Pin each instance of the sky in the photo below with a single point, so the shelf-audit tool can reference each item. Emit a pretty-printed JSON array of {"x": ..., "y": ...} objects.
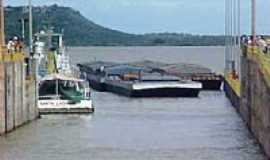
[{"x": 147, "y": 16}]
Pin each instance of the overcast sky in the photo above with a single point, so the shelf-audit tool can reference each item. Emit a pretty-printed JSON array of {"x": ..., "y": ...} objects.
[{"x": 144, "y": 16}]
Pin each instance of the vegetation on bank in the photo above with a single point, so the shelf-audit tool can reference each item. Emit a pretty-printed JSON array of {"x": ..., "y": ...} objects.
[{"x": 80, "y": 31}]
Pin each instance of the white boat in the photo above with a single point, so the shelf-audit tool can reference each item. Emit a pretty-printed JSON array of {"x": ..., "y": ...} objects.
[
  {"x": 61, "y": 91},
  {"x": 60, "y": 94}
]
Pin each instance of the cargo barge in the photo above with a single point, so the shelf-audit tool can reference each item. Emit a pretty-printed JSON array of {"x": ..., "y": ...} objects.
[
  {"x": 190, "y": 72},
  {"x": 134, "y": 81},
  {"x": 93, "y": 72},
  {"x": 154, "y": 88},
  {"x": 209, "y": 79}
]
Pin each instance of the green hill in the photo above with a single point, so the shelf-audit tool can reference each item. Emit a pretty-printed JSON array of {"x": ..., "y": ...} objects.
[{"x": 79, "y": 31}]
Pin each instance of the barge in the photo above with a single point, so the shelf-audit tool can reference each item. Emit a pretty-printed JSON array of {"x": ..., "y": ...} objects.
[
  {"x": 154, "y": 88},
  {"x": 209, "y": 79},
  {"x": 93, "y": 72},
  {"x": 134, "y": 81}
]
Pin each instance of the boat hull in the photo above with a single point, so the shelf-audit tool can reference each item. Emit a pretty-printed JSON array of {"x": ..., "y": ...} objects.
[
  {"x": 64, "y": 107},
  {"x": 97, "y": 85},
  {"x": 212, "y": 85},
  {"x": 154, "y": 92},
  {"x": 165, "y": 92},
  {"x": 48, "y": 111}
]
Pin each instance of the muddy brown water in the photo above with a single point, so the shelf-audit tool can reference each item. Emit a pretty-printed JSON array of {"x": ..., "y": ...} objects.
[{"x": 204, "y": 128}]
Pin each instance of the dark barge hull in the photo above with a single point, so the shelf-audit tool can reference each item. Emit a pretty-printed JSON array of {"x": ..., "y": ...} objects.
[
  {"x": 95, "y": 82},
  {"x": 165, "y": 92},
  {"x": 212, "y": 85},
  {"x": 96, "y": 85},
  {"x": 158, "y": 92}
]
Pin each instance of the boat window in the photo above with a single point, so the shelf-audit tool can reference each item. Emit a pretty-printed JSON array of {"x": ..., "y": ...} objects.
[
  {"x": 69, "y": 90},
  {"x": 81, "y": 85},
  {"x": 70, "y": 85},
  {"x": 55, "y": 42},
  {"x": 47, "y": 88}
]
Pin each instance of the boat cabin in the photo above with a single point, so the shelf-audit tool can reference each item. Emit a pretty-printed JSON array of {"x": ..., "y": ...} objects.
[{"x": 58, "y": 87}]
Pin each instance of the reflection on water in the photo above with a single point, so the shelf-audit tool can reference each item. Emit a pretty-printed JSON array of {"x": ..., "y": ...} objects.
[{"x": 207, "y": 128}]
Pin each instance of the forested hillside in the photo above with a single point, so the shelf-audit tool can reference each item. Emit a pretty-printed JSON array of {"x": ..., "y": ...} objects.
[{"x": 80, "y": 31}]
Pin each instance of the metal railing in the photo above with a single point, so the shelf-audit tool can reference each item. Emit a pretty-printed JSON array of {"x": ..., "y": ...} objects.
[{"x": 15, "y": 57}]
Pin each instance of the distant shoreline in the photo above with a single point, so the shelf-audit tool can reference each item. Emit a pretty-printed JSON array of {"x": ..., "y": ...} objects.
[
  {"x": 84, "y": 32},
  {"x": 69, "y": 46}
]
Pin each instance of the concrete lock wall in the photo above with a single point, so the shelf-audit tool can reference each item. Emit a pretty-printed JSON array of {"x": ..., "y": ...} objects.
[
  {"x": 31, "y": 103},
  {"x": 255, "y": 102},
  {"x": 32, "y": 95},
  {"x": 18, "y": 100},
  {"x": 18, "y": 96},
  {"x": 2, "y": 98},
  {"x": 10, "y": 108},
  {"x": 245, "y": 108}
]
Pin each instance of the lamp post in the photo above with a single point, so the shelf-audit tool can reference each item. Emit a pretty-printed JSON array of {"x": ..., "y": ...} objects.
[
  {"x": 30, "y": 26},
  {"x": 239, "y": 23},
  {"x": 33, "y": 64},
  {"x": 22, "y": 21},
  {"x": 2, "y": 27},
  {"x": 2, "y": 69},
  {"x": 253, "y": 25}
]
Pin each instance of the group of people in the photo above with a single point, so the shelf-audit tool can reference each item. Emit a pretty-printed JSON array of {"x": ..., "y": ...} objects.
[
  {"x": 261, "y": 42},
  {"x": 15, "y": 45}
]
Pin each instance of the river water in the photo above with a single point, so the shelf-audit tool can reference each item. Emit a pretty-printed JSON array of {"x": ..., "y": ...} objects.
[{"x": 204, "y": 128}]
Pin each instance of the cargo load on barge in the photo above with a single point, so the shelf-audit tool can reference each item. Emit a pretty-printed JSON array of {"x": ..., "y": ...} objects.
[{"x": 209, "y": 79}]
